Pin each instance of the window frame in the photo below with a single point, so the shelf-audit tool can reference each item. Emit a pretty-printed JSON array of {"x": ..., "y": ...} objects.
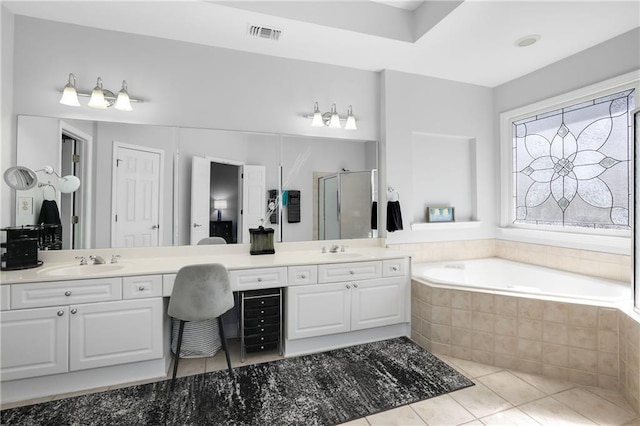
[{"x": 609, "y": 240}]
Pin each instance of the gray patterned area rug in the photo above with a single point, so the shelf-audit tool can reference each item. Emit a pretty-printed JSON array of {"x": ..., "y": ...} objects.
[{"x": 321, "y": 389}]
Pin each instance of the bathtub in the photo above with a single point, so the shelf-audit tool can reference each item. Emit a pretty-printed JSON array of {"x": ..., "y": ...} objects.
[{"x": 506, "y": 276}]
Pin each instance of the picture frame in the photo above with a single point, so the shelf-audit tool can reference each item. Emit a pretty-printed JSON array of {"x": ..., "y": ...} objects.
[{"x": 440, "y": 214}]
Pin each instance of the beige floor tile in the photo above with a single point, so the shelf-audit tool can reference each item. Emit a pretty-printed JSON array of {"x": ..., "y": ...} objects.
[
  {"x": 480, "y": 400},
  {"x": 400, "y": 416},
  {"x": 511, "y": 417},
  {"x": 634, "y": 422},
  {"x": 358, "y": 422},
  {"x": 474, "y": 369},
  {"x": 139, "y": 382},
  {"x": 442, "y": 410},
  {"x": 595, "y": 408},
  {"x": 510, "y": 387},
  {"x": 548, "y": 411},
  {"x": 189, "y": 367},
  {"x": 472, "y": 423},
  {"x": 610, "y": 395},
  {"x": 9, "y": 405},
  {"x": 545, "y": 384}
]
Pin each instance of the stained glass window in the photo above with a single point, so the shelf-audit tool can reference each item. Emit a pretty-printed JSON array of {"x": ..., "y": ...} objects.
[{"x": 572, "y": 166}]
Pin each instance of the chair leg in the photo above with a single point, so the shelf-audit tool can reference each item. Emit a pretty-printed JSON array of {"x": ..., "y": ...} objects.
[
  {"x": 224, "y": 345},
  {"x": 177, "y": 357}
]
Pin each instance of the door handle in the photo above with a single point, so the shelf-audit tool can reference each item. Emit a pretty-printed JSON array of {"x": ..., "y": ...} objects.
[
  {"x": 196, "y": 225},
  {"x": 155, "y": 227}
]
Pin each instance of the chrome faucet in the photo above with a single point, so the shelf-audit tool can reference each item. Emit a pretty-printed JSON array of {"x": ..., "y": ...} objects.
[
  {"x": 97, "y": 260},
  {"x": 334, "y": 249}
]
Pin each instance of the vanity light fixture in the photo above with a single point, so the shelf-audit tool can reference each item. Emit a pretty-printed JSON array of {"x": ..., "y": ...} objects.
[
  {"x": 100, "y": 97},
  {"x": 332, "y": 118}
]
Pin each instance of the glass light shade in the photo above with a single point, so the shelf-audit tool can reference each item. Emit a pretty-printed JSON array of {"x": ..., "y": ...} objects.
[
  {"x": 335, "y": 121},
  {"x": 97, "y": 97},
  {"x": 351, "y": 120},
  {"x": 68, "y": 184},
  {"x": 69, "y": 96},
  {"x": 220, "y": 204},
  {"x": 123, "y": 103},
  {"x": 317, "y": 119}
]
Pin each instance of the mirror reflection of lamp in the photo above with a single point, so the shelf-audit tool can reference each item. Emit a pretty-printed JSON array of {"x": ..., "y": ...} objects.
[{"x": 219, "y": 205}]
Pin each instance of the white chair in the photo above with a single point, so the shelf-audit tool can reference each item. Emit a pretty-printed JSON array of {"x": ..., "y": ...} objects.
[
  {"x": 212, "y": 240},
  {"x": 201, "y": 292}
]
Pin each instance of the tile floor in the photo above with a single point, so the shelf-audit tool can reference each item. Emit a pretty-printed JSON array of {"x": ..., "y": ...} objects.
[{"x": 500, "y": 397}]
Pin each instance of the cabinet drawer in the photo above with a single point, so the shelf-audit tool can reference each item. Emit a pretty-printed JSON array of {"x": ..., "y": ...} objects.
[
  {"x": 394, "y": 267},
  {"x": 167, "y": 284},
  {"x": 260, "y": 322},
  {"x": 262, "y": 330},
  {"x": 337, "y": 272},
  {"x": 300, "y": 275},
  {"x": 57, "y": 293},
  {"x": 5, "y": 298},
  {"x": 263, "y": 302},
  {"x": 250, "y": 279},
  {"x": 261, "y": 312},
  {"x": 261, "y": 347},
  {"x": 267, "y": 338},
  {"x": 142, "y": 286}
]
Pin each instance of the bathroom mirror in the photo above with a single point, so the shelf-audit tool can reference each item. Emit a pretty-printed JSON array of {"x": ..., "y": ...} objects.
[
  {"x": 20, "y": 178},
  {"x": 103, "y": 146}
]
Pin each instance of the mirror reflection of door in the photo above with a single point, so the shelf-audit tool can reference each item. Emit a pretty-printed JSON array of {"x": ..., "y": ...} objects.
[
  {"x": 137, "y": 176},
  {"x": 71, "y": 203},
  {"x": 227, "y": 198}
]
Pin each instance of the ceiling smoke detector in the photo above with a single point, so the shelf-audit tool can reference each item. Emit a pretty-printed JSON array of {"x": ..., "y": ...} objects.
[{"x": 263, "y": 32}]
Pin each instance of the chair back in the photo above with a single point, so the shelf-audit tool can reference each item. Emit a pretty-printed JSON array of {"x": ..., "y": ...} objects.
[
  {"x": 201, "y": 292},
  {"x": 212, "y": 240}
]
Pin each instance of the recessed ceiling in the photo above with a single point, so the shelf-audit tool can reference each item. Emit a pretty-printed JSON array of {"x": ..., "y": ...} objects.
[{"x": 470, "y": 41}]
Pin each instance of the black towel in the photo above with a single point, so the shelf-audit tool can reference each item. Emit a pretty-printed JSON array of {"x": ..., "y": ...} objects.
[
  {"x": 394, "y": 216},
  {"x": 49, "y": 214},
  {"x": 374, "y": 215}
]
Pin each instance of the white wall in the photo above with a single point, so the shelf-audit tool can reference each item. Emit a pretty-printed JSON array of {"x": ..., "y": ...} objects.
[
  {"x": 7, "y": 129},
  {"x": 417, "y": 105}
]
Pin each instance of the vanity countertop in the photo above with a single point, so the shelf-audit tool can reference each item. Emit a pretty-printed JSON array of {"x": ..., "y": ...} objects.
[{"x": 61, "y": 266}]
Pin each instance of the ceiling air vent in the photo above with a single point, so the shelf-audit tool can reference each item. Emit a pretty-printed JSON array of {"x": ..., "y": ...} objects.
[{"x": 263, "y": 32}]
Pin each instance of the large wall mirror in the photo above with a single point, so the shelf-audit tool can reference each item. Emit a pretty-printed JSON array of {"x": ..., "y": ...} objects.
[{"x": 147, "y": 185}]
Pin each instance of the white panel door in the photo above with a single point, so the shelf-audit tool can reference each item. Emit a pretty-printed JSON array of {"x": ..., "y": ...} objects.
[
  {"x": 35, "y": 342},
  {"x": 254, "y": 199},
  {"x": 137, "y": 197},
  {"x": 111, "y": 333},
  {"x": 317, "y": 310},
  {"x": 200, "y": 198},
  {"x": 378, "y": 302}
]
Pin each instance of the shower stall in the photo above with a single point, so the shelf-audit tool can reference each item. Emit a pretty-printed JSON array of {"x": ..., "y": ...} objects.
[{"x": 347, "y": 205}]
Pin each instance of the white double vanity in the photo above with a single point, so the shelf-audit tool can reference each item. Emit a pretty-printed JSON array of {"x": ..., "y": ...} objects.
[{"x": 68, "y": 327}]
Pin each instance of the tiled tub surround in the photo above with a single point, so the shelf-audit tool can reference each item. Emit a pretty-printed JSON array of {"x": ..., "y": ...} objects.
[
  {"x": 590, "y": 345},
  {"x": 597, "y": 264}
]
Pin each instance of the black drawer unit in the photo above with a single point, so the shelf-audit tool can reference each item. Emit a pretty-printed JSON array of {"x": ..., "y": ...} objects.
[{"x": 261, "y": 324}]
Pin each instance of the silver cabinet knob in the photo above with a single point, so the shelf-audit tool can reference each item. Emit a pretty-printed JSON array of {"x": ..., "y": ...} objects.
[
  {"x": 303, "y": 276},
  {"x": 351, "y": 272},
  {"x": 141, "y": 288},
  {"x": 74, "y": 311},
  {"x": 259, "y": 280},
  {"x": 60, "y": 313},
  {"x": 67, "y": 293},
  {"x": 348, "y": 286},
  {"x": 355, "y": 286},
  {"x": 394, "y": 268}
]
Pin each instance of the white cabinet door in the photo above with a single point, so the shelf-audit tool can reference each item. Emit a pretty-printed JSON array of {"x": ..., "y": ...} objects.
[
  {"x": 111, "y": 333},
  {"x": 35, "y": 342},
  {"x": 317, "y": 310},
  {"x": 376, "y": 303}
]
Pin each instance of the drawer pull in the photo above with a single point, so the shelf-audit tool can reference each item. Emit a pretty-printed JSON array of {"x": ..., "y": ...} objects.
[
  {"x": 60, "y": 313},
  {"x": 261, "y": 347},
  {"x": 141, "y": 288},
  {"x": 259, "y": 280},
  {"x": 74, "y": 311},
  {"x": 262, "y": 302},
  {"x": 394, "y": 268},
  {"x": 262, "y": 312},
  {"x": 67, "y": 293},
  {"x": 348, "y": 286},
  {"x": 262, "y": 338},
  {"x": 351, "y": 272},
  {"x": 303, "y": 276},
  {"x": 355, "y": 286}
]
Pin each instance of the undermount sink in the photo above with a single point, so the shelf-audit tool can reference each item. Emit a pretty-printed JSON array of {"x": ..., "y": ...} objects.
[
  {"x": 80, "y": 270},
  {"x": 341, "y": 255}
]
